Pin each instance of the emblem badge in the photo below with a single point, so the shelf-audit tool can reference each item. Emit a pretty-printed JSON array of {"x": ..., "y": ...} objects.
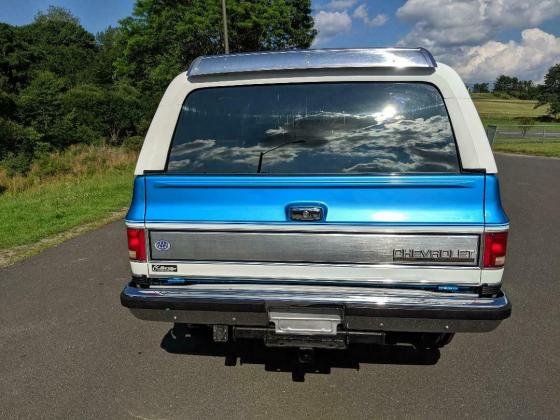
[
  {"x": 162, "y": 245},
  {"x": 164, "y": 268}
]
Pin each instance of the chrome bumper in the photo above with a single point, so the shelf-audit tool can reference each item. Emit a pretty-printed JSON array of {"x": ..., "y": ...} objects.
[{"x": 373, "y": 309}]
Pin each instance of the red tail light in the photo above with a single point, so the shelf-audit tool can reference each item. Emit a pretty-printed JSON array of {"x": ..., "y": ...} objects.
[
  {"x": 136, "y": 244},
  {"x": 495, "y": 245}
]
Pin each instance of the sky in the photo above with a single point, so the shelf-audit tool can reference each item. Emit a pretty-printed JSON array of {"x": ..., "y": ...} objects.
[{"x": 481, "y": 39}]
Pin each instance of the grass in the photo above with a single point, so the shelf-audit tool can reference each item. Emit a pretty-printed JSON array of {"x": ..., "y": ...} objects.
[
  {"x": 550, "y": 148},
  {"x": 77, "y": 162},
  {"x": 38, "y": 212},
  {"x": 83, "y": 186},
  {"x": 493, "y": 110},
  {"x": 511, "y": 112}
]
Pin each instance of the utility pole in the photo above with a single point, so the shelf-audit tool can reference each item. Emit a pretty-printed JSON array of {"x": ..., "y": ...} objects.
[{"x": 224, "y": 17}]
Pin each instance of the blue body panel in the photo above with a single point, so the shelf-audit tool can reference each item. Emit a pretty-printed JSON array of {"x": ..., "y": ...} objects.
[
  {"x": 137, "y": 208},
  {"x": 493, "y": 211},
  {"x": 379, "y": 200}
]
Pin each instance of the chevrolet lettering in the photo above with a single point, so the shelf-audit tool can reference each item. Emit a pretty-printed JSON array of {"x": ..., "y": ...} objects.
[
  {"x": 434, "y": 255},
  {"x": 317, "y": 198}
]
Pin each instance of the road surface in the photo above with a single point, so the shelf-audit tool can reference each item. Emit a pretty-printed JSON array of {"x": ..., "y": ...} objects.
[{"x": 68, "y": 349}]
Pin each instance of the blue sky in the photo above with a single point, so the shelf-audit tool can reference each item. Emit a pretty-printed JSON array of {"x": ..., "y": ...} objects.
[
  {"x": 95, "y": 15},
  {"x": 479, "y": 38}
]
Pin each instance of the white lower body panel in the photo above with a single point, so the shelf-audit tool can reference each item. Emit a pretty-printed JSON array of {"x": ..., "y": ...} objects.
[{"x": 323, "y": 272}]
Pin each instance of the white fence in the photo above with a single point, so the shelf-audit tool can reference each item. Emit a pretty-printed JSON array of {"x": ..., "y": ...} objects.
[{"x": 523, "y": 133}]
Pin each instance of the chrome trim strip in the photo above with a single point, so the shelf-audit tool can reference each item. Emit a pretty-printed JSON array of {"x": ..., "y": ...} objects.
[
  {"x": 317, "y": 247},
  {"x": 338, "y": 282},
  {"x": 134, "y": 225},
  {"x": 310, "y": 227},
  {"x": 334, "y": 294},
  {"x": 324, "y": 265},
  {"x": 369, "y": 181},
  {"x": 496, "y": 228},
  {"x": 311, "y": 59},
  {"x": 389, "y": 284}
]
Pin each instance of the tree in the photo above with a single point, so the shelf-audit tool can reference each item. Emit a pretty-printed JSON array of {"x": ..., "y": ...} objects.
[
  {"x": 58, "y": 43},
  {"x": 100, "y": 112},
  {"x": 506, "y": 85},
  {"x": 7, "y": 105},
  {"x": 15, "y": 59},
  {"x": 550, "y": 91},
  {"x": 163, "y": 36},
  {"x": 60, "y": 85},
  {"x": 39, "y": 103},
  {"x": 109, "y": 50},
  {"x": 481, "y": 88},
  {"x": 17, "y": 144},
  {"x": 512, "y": 86}
]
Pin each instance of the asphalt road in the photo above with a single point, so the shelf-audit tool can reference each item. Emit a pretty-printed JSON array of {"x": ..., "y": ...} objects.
[{"x": 68, "y": 349}]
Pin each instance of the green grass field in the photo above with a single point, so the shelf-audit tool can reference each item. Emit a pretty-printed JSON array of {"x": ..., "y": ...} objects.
[
  {"x": 61, "y": 204},
  {"x": 493, "y": 110},
  {"x": 510, "y": 112},
  {"x": 551, "y": 149}
]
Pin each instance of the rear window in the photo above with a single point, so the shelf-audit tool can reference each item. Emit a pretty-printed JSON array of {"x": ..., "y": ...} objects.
[{"x": 314, "y": 128}]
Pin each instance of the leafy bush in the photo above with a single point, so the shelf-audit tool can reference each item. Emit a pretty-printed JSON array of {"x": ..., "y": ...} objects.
[
  {"x": 133, "y": 143},
  {"x": 16, "y": 163},
  {"x": 502, "y": 95}
]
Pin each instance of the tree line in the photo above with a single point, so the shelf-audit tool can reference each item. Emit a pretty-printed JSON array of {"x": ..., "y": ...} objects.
[
  {"x": 512, "y": 87},
  {"x": 61, "y": 85}
]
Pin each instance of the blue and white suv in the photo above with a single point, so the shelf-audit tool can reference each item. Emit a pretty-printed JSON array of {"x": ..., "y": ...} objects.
[{"x": 318, "y": 198}]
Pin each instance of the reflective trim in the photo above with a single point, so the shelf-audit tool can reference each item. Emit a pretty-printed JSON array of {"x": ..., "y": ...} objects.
[
  {"x": 134, "y": 225},
  {"x": 496, "y": 228},
  {"x": 319, "y": 248},
  {"x": 268, "y": 292},
  {"x": 311, "y": 227},
  {"x": 311, "y": 59},
  {"x": 322, "y": 265}
]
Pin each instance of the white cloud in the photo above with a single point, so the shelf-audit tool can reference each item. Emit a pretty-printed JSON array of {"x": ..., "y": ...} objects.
[
  {"x": 528, "y": 59},
  {"x": 378, "y": 20},
  {"x": 462, "y": 34},
  {"x": 340, "y": 4},
  {"x": 362, "y": 13},
  {"x": 329, "y": 24},
  {"x": 469, "y": 22}
]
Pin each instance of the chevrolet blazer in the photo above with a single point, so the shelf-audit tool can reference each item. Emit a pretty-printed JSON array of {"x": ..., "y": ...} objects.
[{"x": 318, "y": 198}]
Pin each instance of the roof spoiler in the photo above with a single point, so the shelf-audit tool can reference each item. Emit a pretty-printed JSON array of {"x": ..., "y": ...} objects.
[{"x": 418, "y": 58}]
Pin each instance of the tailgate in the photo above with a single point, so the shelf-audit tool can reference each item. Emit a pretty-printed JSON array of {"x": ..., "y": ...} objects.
[{"x": 404, "y": 229}]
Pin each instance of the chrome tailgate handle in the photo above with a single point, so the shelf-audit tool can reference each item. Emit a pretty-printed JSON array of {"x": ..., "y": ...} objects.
[{"x": 305, "y": 323}]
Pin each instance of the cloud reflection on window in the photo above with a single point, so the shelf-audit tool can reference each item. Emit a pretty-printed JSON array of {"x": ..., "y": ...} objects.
[{"x": 405, "y": 131}]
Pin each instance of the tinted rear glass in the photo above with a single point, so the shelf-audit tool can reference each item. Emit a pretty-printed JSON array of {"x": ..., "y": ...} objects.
[{"x": 314, "y": 128}]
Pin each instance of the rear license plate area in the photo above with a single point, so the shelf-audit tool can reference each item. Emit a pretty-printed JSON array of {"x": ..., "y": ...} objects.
[{"x": 305, "y": 321}]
